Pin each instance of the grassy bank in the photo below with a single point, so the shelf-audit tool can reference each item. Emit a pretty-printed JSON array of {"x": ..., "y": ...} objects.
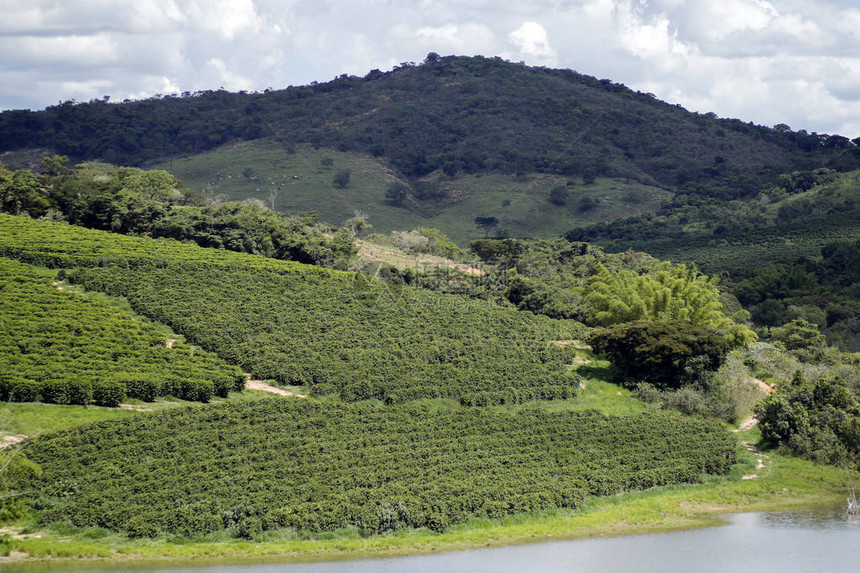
[{"x": 783, "y": 483}]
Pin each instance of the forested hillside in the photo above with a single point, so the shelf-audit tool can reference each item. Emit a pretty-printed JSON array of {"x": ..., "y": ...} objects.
[
  {"x": 154, "y": 203},
  {"x": 450, "y": 114},
  {"x": 793, "y": 252}
]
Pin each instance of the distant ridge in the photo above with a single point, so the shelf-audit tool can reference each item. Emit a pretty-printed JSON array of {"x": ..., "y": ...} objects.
[{"x": 453, "y": 115}]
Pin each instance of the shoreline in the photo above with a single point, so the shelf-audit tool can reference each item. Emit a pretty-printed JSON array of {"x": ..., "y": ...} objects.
[{"x": 792, "y": 483}]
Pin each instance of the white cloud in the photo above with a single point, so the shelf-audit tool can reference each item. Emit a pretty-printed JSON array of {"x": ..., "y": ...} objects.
[
  {"x": 777, "y": 61},
  {"x": 533, "y": 42}
]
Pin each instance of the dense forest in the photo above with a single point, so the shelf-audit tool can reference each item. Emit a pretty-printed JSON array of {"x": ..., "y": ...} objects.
[{"x": 153, "y": 203}]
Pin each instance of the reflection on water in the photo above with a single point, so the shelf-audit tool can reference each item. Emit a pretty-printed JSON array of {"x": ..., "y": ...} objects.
[
  {"x": 827, "y": 519},
  {"x": 822, "y": 540}
]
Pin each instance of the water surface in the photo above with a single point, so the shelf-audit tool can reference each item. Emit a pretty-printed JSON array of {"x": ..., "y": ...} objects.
[{"x": 821, "y": 540}]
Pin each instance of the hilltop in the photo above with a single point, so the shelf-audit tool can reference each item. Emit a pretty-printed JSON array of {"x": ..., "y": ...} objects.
[{"x": 449, "y": 115}]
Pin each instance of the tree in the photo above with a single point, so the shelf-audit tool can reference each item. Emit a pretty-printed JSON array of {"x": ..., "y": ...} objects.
[
  {"x": 558, "y": 195},
  {"x": 358, "y": 223},
  {"x": 396, "y": 193},
  {"x": 487, "y": 224},
  {"x": 801, "y": 338},
  {"x": 672, "y": 293},
  {"x": 55, "y": 165},
  {"x": 341, "y": 178},
  {"x": 664, "y": 354}
]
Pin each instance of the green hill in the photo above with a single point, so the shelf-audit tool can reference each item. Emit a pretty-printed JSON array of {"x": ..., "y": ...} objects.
[
  {"x": 301, "y": 179},
  {"x": 336, "y": 332},
  {"x": 449, "y": 115}
]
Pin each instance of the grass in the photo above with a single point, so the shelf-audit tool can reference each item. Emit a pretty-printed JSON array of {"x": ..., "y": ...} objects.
[
  {"x": 34, "y": 418},
  {"x": 31, "y": 419},
  {"x": 299, "y": 181},
  {"x": 522, "y": 206}
]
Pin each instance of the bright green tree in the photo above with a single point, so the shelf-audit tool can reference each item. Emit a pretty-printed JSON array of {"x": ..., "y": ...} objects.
[{"x": 671, "y": 293}]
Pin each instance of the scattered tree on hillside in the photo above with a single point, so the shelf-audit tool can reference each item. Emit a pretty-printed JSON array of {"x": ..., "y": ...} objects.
[
  {"x": 558, "y": 195},
  {"x": 396, "y": 193},
  {"x": 487, "y": 224},
  {"x": 341, "y": 178}
]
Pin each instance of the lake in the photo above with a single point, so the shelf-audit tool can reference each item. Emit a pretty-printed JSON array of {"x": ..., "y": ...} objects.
[{"x": 820, "y": 540}]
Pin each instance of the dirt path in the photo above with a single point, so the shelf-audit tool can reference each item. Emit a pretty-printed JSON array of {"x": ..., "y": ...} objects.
[
  {"x": 762, "y": 462},
  {"x": 134, "y": 407},
  {"x": 747, "y": 424},
  {"x": 15, "y": 533},
  {"x": 766, "y": 388},
  {"x": 11, "y": 440},
  {"x": 260, "y": 385}
]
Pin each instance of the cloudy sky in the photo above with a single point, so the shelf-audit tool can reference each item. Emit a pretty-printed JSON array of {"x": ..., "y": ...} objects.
[{"x": 778, "y": 61}]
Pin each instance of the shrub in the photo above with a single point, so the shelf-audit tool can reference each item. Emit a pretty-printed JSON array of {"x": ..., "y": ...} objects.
[
  {"x": 140, "y": 386},
  {"x": 70, "y": 391},
  {"x": 55, "y": 392},
  {"x": 19, "y": 390},
  {"x": 196, "y": 390},
  {"x": 80, "y": 392},
  {"x": 108, "y": 393}
]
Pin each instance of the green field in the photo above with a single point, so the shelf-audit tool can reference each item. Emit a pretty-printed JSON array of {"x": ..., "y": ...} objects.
[{"x": 299, "y": 181}]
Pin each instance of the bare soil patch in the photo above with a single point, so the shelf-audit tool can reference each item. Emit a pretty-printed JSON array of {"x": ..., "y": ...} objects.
[
  {"x": 263, "y": 386},
  {"x": 11, "y": 440},
  {"x": 400, "y": 259}
]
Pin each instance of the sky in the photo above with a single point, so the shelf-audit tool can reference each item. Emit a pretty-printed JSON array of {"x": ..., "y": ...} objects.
[{"x": 795, "y": 62}]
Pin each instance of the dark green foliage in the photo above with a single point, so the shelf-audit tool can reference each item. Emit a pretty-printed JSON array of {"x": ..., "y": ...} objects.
[
  {"x": 108, "y": 393},
  {"x": 341, "y": 178},
  {"x": 336, "y": 332},
  {"x": 801, "y": 338},
  {"x": 71, "y": 390},
  {"x": 271, "y": 464},
  {"x": 487, "y": 223},
  {"x": 819, "y": 420},
  {"x": 396, "y": 193},
  {"x": 71, "y": 350},
  {"x": 558, "y": 195},
  {"x": 664, "y": 354},
  {"x": 152, "y": 203},
  {"x": 789, "y": 250},
  {"x": 352, "y": 334},
  {"x": 453, "y": 114},
  {"x": 15, "y": 389},
  {"x": 144, "y": 387}
]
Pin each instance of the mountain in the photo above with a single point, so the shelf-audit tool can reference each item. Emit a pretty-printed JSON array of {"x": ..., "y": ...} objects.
[{"x": 450, "y": 115}]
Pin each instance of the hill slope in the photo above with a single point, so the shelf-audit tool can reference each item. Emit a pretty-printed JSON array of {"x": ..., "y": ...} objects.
[
  {"x": 337, "y": 332},
  {"x": 453, "y": 114},
  {"x": 276, "y": 463}
]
